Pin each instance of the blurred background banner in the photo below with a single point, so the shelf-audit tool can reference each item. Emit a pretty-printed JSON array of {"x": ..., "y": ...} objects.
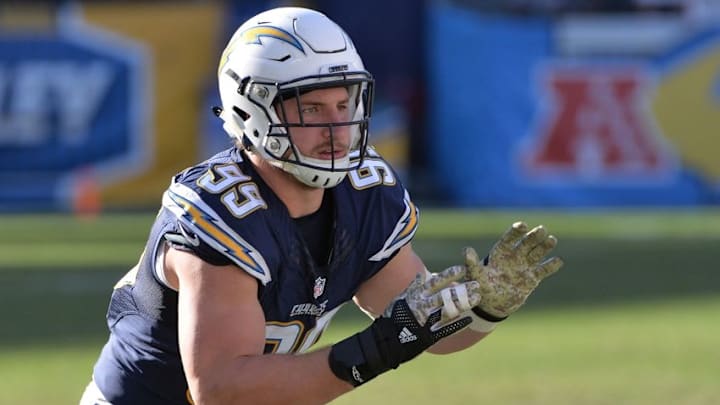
[
  {"x": 73, "y": 102},
  {"x": 479, "y": 103},
  {"x": 100, "y": 105},
  {"x": 183, "y": 41},
  {"x": 574, "y": 109}
]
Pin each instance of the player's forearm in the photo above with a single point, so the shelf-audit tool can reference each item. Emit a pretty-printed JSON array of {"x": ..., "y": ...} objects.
[{"x": 270, "y": 379}]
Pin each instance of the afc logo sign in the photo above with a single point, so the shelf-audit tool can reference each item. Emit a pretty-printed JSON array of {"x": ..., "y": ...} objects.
[{"x": 593, "y": 123}]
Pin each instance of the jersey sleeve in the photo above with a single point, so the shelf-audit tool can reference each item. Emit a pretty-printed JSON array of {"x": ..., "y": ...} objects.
[
  {"x": 195, "y": 213},
  {"x": 389, "y": 216},
  {"x": 402, "y": 230},
  {"x": 186, "y": 240}
]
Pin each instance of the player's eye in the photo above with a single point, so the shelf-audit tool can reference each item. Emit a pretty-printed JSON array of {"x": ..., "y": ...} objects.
[{"x": 309, "y": 109}]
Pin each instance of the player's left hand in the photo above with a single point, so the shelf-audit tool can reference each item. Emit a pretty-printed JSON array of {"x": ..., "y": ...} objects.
[{"x": 513, "y": 269}]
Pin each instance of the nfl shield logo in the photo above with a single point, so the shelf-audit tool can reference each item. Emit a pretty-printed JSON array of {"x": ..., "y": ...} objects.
[{"x": 319, "y": 287}]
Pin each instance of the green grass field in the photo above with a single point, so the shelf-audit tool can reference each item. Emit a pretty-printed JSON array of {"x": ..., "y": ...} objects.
[{"x": 631, "y": 318}]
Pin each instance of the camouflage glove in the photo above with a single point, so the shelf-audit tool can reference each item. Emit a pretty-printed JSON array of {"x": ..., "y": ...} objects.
[
  {"x": 429, "y": 293},
  {"x": 430, "y": 309},
  {"x": 512, "y": 270}
]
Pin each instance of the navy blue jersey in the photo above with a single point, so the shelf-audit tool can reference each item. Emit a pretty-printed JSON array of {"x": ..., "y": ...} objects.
[{"x": 225, "y": 213}]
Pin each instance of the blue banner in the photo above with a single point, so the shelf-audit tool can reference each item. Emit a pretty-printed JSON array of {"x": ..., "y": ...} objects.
[
  {"x": 71, "y": 102},
  {"x": 514, "y": 122}
]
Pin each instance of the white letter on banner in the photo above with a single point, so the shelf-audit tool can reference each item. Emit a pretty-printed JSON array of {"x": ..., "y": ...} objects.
[{"x": 33, "y": 93}]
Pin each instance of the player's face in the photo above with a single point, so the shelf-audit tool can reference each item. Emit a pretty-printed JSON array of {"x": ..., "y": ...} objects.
[{"x": 319, "y": 107}]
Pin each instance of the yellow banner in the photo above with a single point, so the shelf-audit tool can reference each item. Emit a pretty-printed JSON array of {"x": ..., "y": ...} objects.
[{"x": 183, "y": 43}]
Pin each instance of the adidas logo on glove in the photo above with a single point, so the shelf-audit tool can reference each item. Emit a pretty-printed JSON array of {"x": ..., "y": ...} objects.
[{"x": 406, "y": 336}]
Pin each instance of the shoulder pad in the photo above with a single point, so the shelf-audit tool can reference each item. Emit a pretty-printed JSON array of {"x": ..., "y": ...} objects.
[{"x": 205, "y": 211}]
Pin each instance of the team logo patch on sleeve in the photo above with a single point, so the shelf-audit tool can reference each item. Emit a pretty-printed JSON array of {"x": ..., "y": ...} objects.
[
  {"x": 403, "y": 232},
  {"x": 205, "y": 223}
]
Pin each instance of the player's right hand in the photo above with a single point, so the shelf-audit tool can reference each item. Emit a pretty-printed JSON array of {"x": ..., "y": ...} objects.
[
  {"x": 438, "y": 298},
  {"x": 429, "y": 309}
]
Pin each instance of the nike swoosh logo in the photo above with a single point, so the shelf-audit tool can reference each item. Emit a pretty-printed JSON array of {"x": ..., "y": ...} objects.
[{"x": 194, "y": 240}]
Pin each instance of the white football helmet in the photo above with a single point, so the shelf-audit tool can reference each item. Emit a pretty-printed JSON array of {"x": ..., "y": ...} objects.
[{"x": 280, "y": 54}]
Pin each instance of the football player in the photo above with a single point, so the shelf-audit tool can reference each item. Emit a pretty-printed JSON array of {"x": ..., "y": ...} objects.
[{"x": 255, "y": 249}]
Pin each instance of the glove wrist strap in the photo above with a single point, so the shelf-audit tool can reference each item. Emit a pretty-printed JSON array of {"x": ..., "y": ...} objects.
[
  {"x": 488, "y": 317},
  {"x": 480, "y": 323}
]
